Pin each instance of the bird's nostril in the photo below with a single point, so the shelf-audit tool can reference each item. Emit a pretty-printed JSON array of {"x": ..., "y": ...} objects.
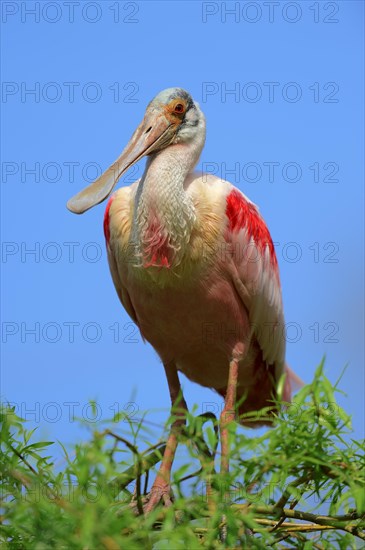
[{"x": 149, "y": 129}]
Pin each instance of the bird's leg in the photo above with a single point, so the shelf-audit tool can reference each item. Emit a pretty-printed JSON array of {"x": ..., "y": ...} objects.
[
  {"x": 228, "y": 414},
  {"x": 161, "y": 488}
]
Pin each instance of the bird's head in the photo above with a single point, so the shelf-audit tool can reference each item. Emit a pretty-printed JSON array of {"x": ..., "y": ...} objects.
[
  {"x": 171, "y": 117},
  {"x": 178, "y": 111}
]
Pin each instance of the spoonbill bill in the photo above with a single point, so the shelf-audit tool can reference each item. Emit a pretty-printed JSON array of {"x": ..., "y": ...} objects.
[{"x": 194, "y": 265}]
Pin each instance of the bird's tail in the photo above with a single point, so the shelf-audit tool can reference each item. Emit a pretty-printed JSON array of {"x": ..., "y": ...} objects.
[{"x": 292, "y": 383}]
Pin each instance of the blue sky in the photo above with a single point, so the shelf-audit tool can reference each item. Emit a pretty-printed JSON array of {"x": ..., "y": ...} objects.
[{"x": 282, "y": 91}]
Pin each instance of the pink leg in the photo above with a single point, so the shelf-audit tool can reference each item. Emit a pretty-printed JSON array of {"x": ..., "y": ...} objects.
[
  {"x": 228, "y": 414},
  {"x": 161, "y": 488}
]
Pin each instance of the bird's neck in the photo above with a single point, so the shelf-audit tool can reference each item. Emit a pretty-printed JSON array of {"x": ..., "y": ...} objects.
[{"x": 164, "y": 213}]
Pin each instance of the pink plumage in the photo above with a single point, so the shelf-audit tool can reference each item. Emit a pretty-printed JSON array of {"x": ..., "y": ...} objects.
[
  {"x": 194, "y": 266},
  {"x": 197, "y": 313}
]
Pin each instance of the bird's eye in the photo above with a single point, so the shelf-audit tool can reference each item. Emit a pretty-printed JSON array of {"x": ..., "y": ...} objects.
[{"x": 179, "y": 108}]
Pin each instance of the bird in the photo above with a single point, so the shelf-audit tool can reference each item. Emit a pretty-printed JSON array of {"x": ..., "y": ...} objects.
[{"x": 194, "y": 266}]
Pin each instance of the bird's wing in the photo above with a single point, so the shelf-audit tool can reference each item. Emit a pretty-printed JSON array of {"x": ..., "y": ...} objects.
[
  {"x": 256, "y": 276},
  {"x": 249, "y": 255},
  {"x": 117, "y": 227}
]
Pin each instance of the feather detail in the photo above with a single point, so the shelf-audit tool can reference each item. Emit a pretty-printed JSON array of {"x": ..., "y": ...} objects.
[
  {"x": 257, "y": 279},
  {"x": 157, "y": 250},
  {"x": 243, "y": 214}
]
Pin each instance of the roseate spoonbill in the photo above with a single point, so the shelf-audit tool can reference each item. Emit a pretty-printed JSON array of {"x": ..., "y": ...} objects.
[{"x": 194, "y": 265}]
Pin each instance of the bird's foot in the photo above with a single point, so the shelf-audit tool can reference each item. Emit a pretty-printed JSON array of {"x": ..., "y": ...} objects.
[{"x": 160, "y": 493}]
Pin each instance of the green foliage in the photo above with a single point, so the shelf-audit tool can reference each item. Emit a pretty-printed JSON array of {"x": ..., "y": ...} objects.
[{"x": 300, "y": 485}]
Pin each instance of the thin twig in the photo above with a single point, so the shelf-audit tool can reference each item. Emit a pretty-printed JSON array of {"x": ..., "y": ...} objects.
[
  {"x": 286, "y": 494},
  {"x": 292, "y": 525},
  {"x": 307, "y": 516},
  {"x": 135, "y": 451},
  {"x": 23, "y": 459},
  {"x": 27, "y": 483},
  {"x": 149, "y": 459}
]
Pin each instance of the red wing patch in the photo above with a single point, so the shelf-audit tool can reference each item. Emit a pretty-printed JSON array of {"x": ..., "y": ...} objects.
[
  {"x": 242, "y": 214},
  {"x": 107, "y": 220}
]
